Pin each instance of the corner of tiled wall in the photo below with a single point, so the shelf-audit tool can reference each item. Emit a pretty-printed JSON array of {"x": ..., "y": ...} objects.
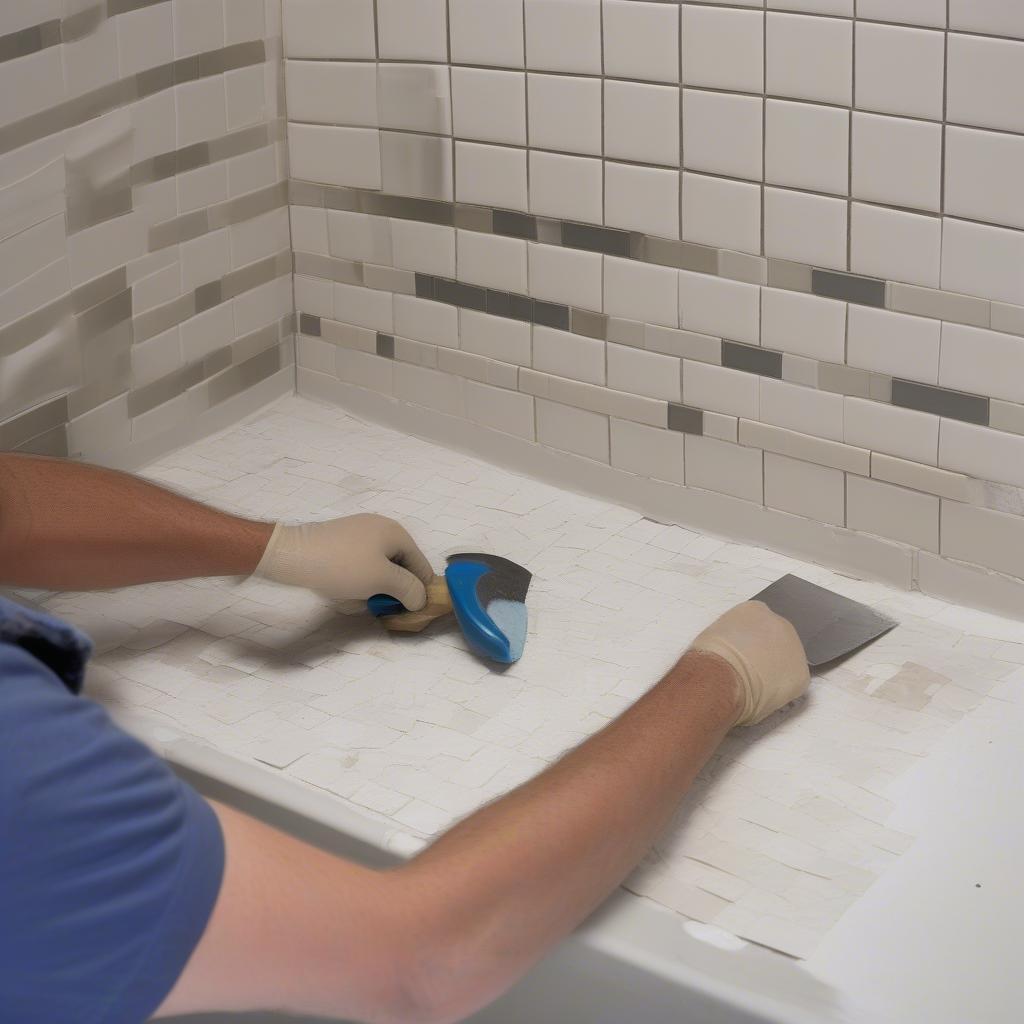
[
  {"x": 145, "y": 254},
  {"x": 757, "y": 265}
]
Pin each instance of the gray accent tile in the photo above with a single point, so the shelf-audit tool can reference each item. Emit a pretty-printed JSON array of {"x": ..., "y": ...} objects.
[
  {"x": 685, "y": 419},
  {"x": 252, "y": 276},
  {"x": 499, "y": 303},
  {"x": 105, "y": 315},
  {"x": 960, "y": 309},
  {"x": 29, "y": 40},
  {"x": 40, "y": 420},
  {"x": 521, "y": 308},
  {"x": 686, "y": 344},
  {"x": 551, "y": 314},
  {"x": 386, "y": 346},
  {"x": 473, "y": 218},
  {"x": 388, "y": 279},
  {"x": 591, "y": 325},
  {"x": 457, "y": 294},
  {"x": 752, "y": 359},
  {"x": 549, "y": 231},
  {"x": 515, "y": 225},
  {"x": 637, "y": 246},
  {"x": 208, "y": 295},
  {"x": 116, "y": 7},
  {"x": 625, "y": 332},
  {"x": 345, "y": 199},
  {"x": 305, "y": 193},
  {"x": 54, "y": 443},
  {"x": 1006, "y": 416},
  {"x": 795, "y": 277},
  {"x": 425, "y": 286},
  {"x": 880, "y": 387},
  {"x": 349, "y": 336},
  {"x": 666, "y": 252},
  {"x": 244, "y": 375},
  {"x": 155, "y": 321},
  {"x": 99, "y": 290},
  {"x": 1007, "y": 318},
  {"x": 799, "y": 370},
  {"x": 258, "y": 341},
  {"x": 216, "y": 361},
  {"x": 309, "y": 325},
  {"x": 430, "y": 211},
  {"x": 865, "y": 291},
  {"x": 844, "y": 380},
  {"x": 32, "y": 327},
  {"x": 741, "y": 266},
  {"x": 594, "y": 239},
  {"x": 954, "y": 405},
  {"x": 328, "y": 268},
  {"x": 166, "y": 388}
]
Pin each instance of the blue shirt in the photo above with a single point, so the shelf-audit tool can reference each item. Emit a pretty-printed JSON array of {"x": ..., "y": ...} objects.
[{"x": 109, "y": 864}]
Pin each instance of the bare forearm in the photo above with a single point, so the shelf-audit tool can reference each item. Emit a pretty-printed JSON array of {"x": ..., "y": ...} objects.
[
  {"x": 68, "y": 525},
  {"x": 519, "y": 875}
]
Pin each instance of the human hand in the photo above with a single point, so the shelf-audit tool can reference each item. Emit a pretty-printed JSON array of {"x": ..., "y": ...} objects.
[
  {"x": 351, "y": 558},
  {"x": 765, "y": 654}
]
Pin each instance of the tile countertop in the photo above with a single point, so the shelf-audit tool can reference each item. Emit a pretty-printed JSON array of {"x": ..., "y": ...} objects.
[{"x": 862, "y": 829}]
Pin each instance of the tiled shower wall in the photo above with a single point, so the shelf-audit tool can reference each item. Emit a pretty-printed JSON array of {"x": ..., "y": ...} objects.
[
  {"x": 145, "y": 257},
  {"x": 758, "y": 266}
]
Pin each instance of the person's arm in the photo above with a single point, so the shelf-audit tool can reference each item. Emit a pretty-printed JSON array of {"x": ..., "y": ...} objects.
[
  {"x": 71, "y": 526},
  {"x": 439, "y": 937}
]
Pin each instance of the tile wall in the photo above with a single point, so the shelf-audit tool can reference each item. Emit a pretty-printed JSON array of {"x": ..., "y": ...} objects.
[
  {"x": 768, "y": 255},
  {"x": 145, "y": 257}
]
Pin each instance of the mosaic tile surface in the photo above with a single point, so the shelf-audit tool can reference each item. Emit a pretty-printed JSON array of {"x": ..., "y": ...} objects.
[{"x": 785, "y": 827}]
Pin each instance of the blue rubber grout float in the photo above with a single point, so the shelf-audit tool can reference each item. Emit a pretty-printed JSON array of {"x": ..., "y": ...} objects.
[{"x": 487, "y": 594}]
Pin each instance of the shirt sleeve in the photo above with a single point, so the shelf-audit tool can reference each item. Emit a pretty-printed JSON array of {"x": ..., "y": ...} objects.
[{"x": 110, "y": 865}]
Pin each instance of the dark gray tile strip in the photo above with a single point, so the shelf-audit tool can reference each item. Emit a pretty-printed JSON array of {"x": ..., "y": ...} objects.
[
  {"x": 83, "y": 23},
  {"x": 53, "y": 443},
  {"x": 31, "y": 40},
  {"x": 386, "y": 346},
  {"x": 591, "y": 325},
  {"x": 200, "y": 154},
  {"x": 551, "y": 314},
  {"x": 955, "y": 405},
  {"x": 457, "y": 294},
  {"x": 424, "y": 286},
  {"x": 116, "y": 7},
  {"x": 752, "y": 359},
  {"x": 16, "y": 431},
  {"x": 101, "y": 288},
  {"x": 605, "y": 240},
  {"x": 309, "y": 325},
  {"x": 865, "y": 291},
  {"x": 685, "y": 419},
  {"x": 514, "y": 225},
  {"x": 244, "y": 375}
]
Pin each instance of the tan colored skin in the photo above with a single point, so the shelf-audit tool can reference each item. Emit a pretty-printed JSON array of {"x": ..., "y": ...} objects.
[{"x": 432, "y": 941}]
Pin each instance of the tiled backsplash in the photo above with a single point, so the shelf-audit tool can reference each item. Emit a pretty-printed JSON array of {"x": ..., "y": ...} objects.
[
  {"x": 769, "y": 255},
  {"x": 145, "y": 257}
]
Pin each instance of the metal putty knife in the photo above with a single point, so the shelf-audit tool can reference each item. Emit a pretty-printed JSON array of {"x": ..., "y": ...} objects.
[
  {"x": 487, "y": 594},
  {"x": 829, "y": 624}
]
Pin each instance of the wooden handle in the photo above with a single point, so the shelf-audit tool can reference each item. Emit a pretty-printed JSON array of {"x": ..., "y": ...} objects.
[{"x": 439, "y": 602}]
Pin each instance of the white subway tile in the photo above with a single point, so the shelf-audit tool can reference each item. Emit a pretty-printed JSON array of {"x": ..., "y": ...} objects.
[
  {"x": 365, "y": 370},
  {"x": 893, "y": 343},
  {"x": 568, "y": 187},
  {"x": 639, "y": 291},
  {"x": 984, "y": 82},
  {"x": 642, "y": 199},
  {"x": 414, "y": 97},
  {"x": 413, "y": 29},
  {"x": 790, "y": 38},
  {"x": 309, "y": 229},
  {"x": 805, "y": 447},
  {"x": 487, "y": 32},
  {"x": 507, "y": 411},
  {"x": 723, "y": 48},
  {"x": 335, "y": 156},
  {"x": 490, "y": 176},
  {"x": 981, "y": 452},
  {"x": 996, "y": 17},
  {"x": 978, "y": 259},
  {"x": 930, "y": 13},
  {"x": 647, "y": 451},
  {"x": 905, "y": 433},
  {"x": 804, "y": 489},
  {"x": 432, "y": 389},
  {"x": 720, "y": 389},
  {"x": 312, "y": 295},
  {"x": 641, "y": 122},
  {"x": 332, "y": 93},
  {"x": 918, "y": 477},
  {"x": 425, "y": 248},
  {"x": 723, "y": 133},
  {"x": 491, "y": 260},
  {"x": 564, "y": 35},
  {"x": 566, "y": 275},
  {"x": 644, "y": 373},
  {"x": 984, "y": 171},
  {"x": 715, "y": 465},
  {"x": 893, "y": 512},
  {"x": 804, "y": 410},
  {"x": 721, "y": 213},
  {"x": 416, "y": 165},
  {"x": 805, "y": 228},
  {"x": 568, "y": 355},
  {"x": 423, "y": 320},
  {"x": 641, "y": 40},
  {"x": 983, "y": 537},
  {"x": 895, "y": 245},
  {"x": 807, "y": 146},
  {"x": 900, "y": 70},
  {"x": 806, "y": 325},
  {"x": 364, "y": 307},
  {"x": 359, "y": 236},
  {"x": 489, "y": 105},
  {"x": 572, "y": 430},
  {"x": 341, "y": 29},
  {"x": 983, "y": 362},
  {"x": 495, "y": 337},
  {"x": 564, "y": 113},
  {"x": 725, "y": 428},
  {"x": 719, "y": 307},
  {"x": 897, "y": 161}
]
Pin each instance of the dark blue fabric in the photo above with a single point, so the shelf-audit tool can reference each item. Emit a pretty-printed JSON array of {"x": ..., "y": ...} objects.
[{"x": 109, "y": 864}]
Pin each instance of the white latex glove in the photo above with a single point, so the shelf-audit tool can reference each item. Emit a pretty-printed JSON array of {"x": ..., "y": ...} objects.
[
  {"x": 347, "y": 559},
  {"x": 765, "y": 653}
]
